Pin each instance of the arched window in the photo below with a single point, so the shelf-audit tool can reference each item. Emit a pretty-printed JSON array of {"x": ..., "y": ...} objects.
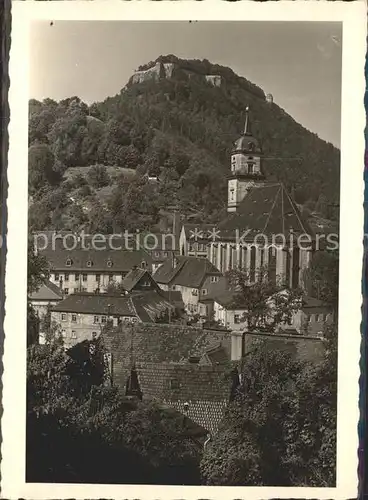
[{"x": 68, "y": 262}]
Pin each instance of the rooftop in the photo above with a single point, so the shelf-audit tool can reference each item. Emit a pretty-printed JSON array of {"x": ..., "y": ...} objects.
[
  {"x": 267, "y": 209},
  {"x": 147, "y": 306},
  {"x": 188, "y": 271},
  {"x": 112, "y": 261},
  {"x": 47, "y": 292},
  {"x": 200, "y": 392}
]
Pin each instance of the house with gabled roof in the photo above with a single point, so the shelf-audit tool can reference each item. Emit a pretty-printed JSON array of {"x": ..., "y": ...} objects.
[
  {"x": 139, "y": 279},
  {"x": 48, "y": 294},
  {"x": 192, "y": 276},
  {"x": 42, "y": 300},
  {"x": 83, "y": 316}
]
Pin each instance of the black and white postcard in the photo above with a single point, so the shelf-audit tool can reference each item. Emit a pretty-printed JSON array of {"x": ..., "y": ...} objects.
[{"x": 184, "y": 250}]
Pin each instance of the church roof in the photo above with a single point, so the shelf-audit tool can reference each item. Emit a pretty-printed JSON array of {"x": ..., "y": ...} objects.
[{"x": 267, "y": 209}]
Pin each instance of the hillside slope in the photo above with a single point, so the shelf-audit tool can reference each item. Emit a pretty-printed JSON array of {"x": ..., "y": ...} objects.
[{"x": 177, "y": 121}]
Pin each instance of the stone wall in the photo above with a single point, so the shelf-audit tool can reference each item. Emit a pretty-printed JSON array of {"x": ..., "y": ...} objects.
[{"x": 156, "y": 343}]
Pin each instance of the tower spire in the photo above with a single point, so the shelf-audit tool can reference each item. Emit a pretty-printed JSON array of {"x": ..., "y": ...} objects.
[{"x": 247, "y": 122}]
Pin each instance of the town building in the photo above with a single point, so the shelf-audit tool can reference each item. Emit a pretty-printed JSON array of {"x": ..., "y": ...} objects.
[
  {"x": 139, "y": 280},
  {"x": 94, "y": 270},
  {"x": 83, "y": 316},
  {"x": 263, "y": 228},
  {"x": 193, "y": 277},
  {"x": 46, "y": 296}
]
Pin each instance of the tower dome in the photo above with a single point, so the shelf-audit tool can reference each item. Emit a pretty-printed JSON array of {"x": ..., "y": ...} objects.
[
  {"x": 246, "y": 167},
  {"x": 247, "y": 143}
]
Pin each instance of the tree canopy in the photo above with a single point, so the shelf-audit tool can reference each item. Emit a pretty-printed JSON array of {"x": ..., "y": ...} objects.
[{"x": 180, "y": 129}]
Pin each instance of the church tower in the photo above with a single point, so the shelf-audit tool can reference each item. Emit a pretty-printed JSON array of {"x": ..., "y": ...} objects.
[{"x": 246, "y": 167}]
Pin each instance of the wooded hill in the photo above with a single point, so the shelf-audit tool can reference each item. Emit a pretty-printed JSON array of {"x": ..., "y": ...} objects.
[{"x": 180, "y": 128}]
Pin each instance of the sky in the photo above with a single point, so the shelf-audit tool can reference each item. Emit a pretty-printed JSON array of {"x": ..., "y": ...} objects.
[{"x": 299, "y": 63}]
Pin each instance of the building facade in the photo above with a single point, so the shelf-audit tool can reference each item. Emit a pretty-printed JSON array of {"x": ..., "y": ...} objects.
[{"x": 264, "y": 227}]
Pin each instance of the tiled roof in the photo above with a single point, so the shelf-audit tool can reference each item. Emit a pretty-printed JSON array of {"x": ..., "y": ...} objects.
[
  {"x": 112, "y": 261},
  {"x": 133, "y": 277},
  {"x": 268, "y": 209},
  {"x": 174, "y": 297},
  {"x": 189, "y": 271},
  {"x": 200, "y": 392},
  {"x": 156, "y": 343},
  {"x": 47, "y": 291},
  {"x": 147, "y": 306},
  {"x": 216, "y": 355},
  {"x": 91, "y": 303},
  {"x": 150, "y": 305},
  {"x": 226, "y": 299}
]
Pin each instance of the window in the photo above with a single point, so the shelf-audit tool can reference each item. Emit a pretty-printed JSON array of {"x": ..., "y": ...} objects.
[
  {"x": 77, "y": 276},
  {"x": 165, "y": 254},
  {"x": 173, "y": 287},
  {"x": 66, "y": 278},
  {"x": 57, "y": 276},
  {"x": 84, "y": 277},
  {"x": 76, "y": 290},
  {"x": 66, "y": 291},
  {"x": 103, "y": 319},
  {"x": 194, "y": 291},
  {"x": 250, "y": 168},
  {"x": 157, "y": 254},
  {"x": 109, "y": 263},
  {"x": 96, "y": 319},
  {"x": 214, "y": 279},
  {"x": 74, "y": 318},
  {"x": 174, "y": 384},
  {"x": 237, "y": 318},
  {"x": 63, "y": 317},
  {"x": 74, "y": 334},
  {"x": 98, "y": 277},
  {"x": 143, "y": 264},
  {"x": 63, "y": 333},
  {"x": 204, "y": 291},
  {"x": 84, "y": 289},
  {"x": 89, "y": 263},
  {"x": 68, "y": 262}
]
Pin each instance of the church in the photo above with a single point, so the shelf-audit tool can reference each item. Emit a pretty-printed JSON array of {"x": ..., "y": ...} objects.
[{"x": 264, "y": 229}]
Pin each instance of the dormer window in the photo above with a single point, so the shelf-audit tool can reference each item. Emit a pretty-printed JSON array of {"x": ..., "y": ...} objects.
[
  {"x": 251, "y": 146},
  {"x": 89, "y": 263},
  {"x": 109, "y": 263},
  {"x": 68, "y": 262}
]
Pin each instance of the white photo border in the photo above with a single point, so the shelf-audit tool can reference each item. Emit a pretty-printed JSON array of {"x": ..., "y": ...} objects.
[{"x": 353, "y": 17}]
